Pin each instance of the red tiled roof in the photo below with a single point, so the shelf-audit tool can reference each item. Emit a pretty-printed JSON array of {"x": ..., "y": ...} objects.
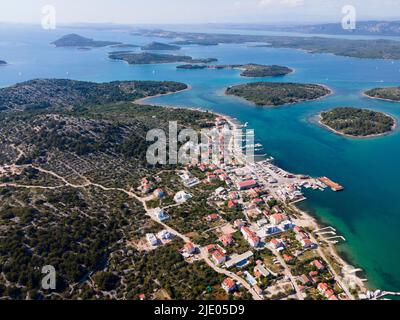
[
  {"x": 228, "y": 283},
  {"x": 247, "y": 183}
]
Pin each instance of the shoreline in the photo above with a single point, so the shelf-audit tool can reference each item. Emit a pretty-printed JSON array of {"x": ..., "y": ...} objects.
[
  {"x": 141, "y": 100},
  {"x": 376, "y": 98},
  {"x": 378, "y": 135},
  {"x": 306, "y": 218}
]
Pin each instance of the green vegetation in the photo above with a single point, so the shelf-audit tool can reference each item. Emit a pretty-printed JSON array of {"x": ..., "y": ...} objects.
[
  {"x": 357, "y": 122},
  {"x": 256, "y": 70},
  {"x": 125, "y": 46},
  {"x": 392, "y": 94},
  {"x": 248, "y": 70},
  {"x": 83, "y": 230},
  {"x": 153, "y": 58},
  {"x": 75, "y": 40},
  {"x": 276, "y": 94},
  {"x": 160, "y": 46},
  {"x": 371, "y": 49},
  {"x": 192, "y": 66},
  {"x": 66, "y": 94}
]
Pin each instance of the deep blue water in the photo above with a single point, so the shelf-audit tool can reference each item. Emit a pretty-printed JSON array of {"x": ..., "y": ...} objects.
[{"x": 367, "y": 213}]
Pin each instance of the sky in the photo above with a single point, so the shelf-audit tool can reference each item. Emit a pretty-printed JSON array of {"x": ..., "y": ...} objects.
[{"x": 195, "y": 11}]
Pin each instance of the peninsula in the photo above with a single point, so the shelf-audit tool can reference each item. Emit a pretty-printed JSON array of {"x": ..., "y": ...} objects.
[
  {"x": 153, "y": 58},
  {"x": 248, "y": 70},
  {"x": 66, "y": 94},
  {"x": 391, "y": 93},
  {"x": 75, "y": 40},
  {"x": 160, "y": 46},
  {"x": 356, "y": 122},
  {"x": 368, "y": 49},
  {"x": 277, "y": 94}
]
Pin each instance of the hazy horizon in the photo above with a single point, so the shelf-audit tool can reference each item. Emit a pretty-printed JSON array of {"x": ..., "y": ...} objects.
[{"x": 161, "y": 12}]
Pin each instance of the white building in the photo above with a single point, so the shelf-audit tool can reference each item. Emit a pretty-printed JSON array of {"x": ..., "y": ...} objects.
[
  {"x": 182, "y": 196},
  {"x": 151, "y": 239},
  {"x": 165, "y": 235},
  {"x": 161, "y": 214}
]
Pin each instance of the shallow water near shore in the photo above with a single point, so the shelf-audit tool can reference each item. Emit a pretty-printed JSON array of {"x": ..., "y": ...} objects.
[{"x": 367, "y": 213}]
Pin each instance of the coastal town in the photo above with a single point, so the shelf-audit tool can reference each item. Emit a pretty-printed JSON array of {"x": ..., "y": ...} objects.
[{"x": 254, "y": 235}]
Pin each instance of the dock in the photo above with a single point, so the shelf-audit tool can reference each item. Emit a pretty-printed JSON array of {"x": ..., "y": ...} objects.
[{"x": 333, "y": 185}]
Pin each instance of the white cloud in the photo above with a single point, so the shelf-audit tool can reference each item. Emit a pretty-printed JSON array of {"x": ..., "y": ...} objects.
[
  {"x": 292, "y": 3},
  {"x": 264, "y": 3}
]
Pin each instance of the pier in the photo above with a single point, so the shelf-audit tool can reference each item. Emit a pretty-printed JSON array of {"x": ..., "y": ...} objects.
[{"x": 333, "y": 185}]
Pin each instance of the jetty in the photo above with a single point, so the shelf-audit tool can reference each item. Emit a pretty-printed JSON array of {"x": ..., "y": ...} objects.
[{"x": 333, "y": 185}]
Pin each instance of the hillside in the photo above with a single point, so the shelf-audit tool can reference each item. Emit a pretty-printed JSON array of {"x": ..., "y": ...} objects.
[
  {"x": 78, "y": 213},
  {"x": 61, "y": 93}
]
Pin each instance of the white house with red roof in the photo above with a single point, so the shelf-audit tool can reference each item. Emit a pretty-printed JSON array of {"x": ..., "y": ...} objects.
[
  {"x": 229, "y": 285},
  {"x": 278, "y": 218},
  {"x": 277, "y": 244},
  {"x": 247, "y": 184},
  {"x": 250, "y": 236},
  {"x": 218, "y": 256}
]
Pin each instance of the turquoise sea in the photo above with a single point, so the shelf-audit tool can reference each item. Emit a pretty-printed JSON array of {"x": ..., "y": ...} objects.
[{"x": 367, "y": 213}]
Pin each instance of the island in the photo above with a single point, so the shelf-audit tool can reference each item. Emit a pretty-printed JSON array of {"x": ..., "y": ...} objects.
[
  {"x": 368, "y": 49},
  {"x": 125, "y": 45},
  {"x": 60, "y": 94},
  {"x": 3, "y": 63},
  {"x": 277, "y": 94},
  {"x": 390, "y": 94},
  {"x": 160, "y": 46},
  {"x": 248, "y": 70},
  {"x": 192, "y": 66},
  {"x": 154, "y": 58},
  {"x": 75, "y": 40},
  {"x": 356, "y": 122}
]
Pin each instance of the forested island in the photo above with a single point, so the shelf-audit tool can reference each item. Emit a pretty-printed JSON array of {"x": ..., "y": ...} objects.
[
  {"x": 75, "y": 40},
  {"x": 371, "y": 49},
  {"x": 248, "y": 70},
  {"x": 160, "y": 46},
  {"x": 66, "y": 94},
  {"x": 392, "y": 93},
  {"x": 154, "y": 58},
  {"x": 277, "y": 94},
  {"x": 125, "y": 46},
  {"x": 357, "y": 122}
]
